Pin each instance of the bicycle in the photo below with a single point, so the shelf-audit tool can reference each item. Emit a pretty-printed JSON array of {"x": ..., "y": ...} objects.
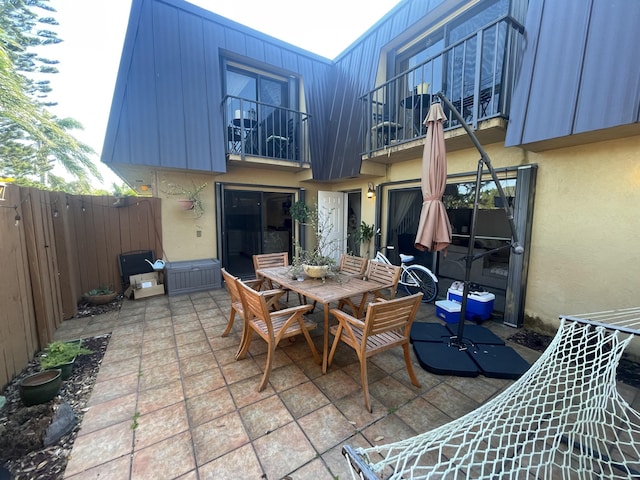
[{"x": 414, "y": 278}]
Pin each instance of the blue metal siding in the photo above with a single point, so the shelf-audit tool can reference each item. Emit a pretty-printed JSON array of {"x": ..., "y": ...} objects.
[
  {"x": 166, "y": 109},
  {"x": 355, "y": 73},
  {"x": 579, "y": 70}
]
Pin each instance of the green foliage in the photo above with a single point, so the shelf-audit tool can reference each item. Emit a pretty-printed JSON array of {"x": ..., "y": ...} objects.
[
  {"x": 123, "y": 190},
  {"x": 134, "y": 425},
  {"x": 33, "y": 140},
  {"x": 192, "y": 195},
  {"x": 99, "y": 291},
  {"x": 320, "y": 222},
  {"x": 59, "y": 353},
  {"x": 299, "y": 212},
  {"x": 364, "y": 235}
]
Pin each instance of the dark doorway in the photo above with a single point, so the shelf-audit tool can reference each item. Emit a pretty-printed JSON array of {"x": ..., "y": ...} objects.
[{"x": 254, "y": 222}]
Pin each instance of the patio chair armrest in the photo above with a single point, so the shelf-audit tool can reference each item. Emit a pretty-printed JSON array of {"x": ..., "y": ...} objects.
[
  {"x": 342, "y": 315},
  {"x": 292, "y": 310},
  {"x": 255, "y": 283}
]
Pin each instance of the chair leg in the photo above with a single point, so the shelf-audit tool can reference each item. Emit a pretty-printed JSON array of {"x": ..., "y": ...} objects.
[
  {"x": 229, "y": 324},
  {"x": 407, "y": 360},
  {"x": 365, "y": 383},
  {"x": 314, "y": 351},
  {"x": 334, "y": 345},
  {"x": 267, "y": 367},
  {"x": 245, "y": 343}
]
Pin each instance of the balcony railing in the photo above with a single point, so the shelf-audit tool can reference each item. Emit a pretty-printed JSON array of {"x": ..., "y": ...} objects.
[
  {"x": 477, "y": 74},
  {"x": 262, "y": 130}
]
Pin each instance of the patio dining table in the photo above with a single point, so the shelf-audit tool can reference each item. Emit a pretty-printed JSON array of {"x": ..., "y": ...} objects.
[{"x": 333, "y": 288}]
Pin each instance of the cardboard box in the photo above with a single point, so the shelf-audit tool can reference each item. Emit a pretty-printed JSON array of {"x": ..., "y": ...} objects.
[
  {"x": 479, "y": 304},
  {"x": 448, "y": 311},
  {"x": 146, "y": 285}
]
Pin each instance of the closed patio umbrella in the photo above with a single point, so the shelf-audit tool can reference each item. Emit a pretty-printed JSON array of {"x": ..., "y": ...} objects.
[{"x": 434, "y": 229}]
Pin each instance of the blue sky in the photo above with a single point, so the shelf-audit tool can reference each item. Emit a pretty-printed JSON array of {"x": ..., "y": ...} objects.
[{"x": 93, "y": 34}]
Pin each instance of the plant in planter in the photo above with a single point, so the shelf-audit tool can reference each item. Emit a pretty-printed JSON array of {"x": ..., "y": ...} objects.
[
  {"x": 100, "y": 295},
  {"x": 191, "y": 197},
  {"x": 61, "y": 355},
  {"x": 364, "y": 235},
  {"x": 319, "y": 261}
]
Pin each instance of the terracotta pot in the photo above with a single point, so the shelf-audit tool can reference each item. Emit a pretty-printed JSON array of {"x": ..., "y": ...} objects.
[
  {"x": 100, "y": 299},
  {"x": 186, "y": 204},
  {"x": 40, "y": 387}
]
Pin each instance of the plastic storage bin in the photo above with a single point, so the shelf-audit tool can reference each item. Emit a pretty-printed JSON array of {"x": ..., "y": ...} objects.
[
  {"x": 448, "y": 311},
  {"x": 192, "y": 276},
  {"x": 479, "y": 304}
]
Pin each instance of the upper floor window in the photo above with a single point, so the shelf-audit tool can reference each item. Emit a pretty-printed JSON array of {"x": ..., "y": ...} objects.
[{"x": 455, "y": 71}]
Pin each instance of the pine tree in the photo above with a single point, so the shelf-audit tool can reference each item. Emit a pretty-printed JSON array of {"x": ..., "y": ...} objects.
[{"x": 32, "y": 140}]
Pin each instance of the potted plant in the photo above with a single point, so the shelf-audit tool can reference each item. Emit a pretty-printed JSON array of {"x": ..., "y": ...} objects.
[
  {"x": 191, "y": 197},
  {"x": 61, "y": 355},
  {"x": 364, "y": 235},
  {"x": 317, "y": 262},
  {"x": 100, "y": 295}
]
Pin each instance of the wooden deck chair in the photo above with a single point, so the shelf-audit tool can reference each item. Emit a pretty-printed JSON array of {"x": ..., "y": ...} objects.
[
  {"x": 352, "y": 265},
  {"x": 383, "y": 274},
  {"x": 387, "y": 324},
  {"x": 272, "y": 326},
  {"x": 234, "y": 296},
  {"x": 268, "y": 260}
]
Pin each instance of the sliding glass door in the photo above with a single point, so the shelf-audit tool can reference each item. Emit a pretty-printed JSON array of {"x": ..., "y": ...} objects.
[{"x": 253, "y": 222}]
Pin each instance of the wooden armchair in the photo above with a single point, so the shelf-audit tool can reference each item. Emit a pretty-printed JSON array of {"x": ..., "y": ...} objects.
[
  {"x": 352, "y": 265},
  {"x": 268, "y": 260},
  {"x": 387, "y": 324},
  {"x": 385, "y": 276},
  {"x": 272, "y": 326},
  {"x": 231, "y": 284}
]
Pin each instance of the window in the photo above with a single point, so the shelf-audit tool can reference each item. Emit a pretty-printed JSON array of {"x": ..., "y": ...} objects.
[
  {"x": 261, "y": 112},
  {"x": 445, "y": 59}
]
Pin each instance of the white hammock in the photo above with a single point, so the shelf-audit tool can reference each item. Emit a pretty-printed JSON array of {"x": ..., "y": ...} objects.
[{"x": 563, "y": 419}]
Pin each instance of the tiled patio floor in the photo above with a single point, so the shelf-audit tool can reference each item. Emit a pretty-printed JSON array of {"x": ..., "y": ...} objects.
[{"x": 171, "y": 402}]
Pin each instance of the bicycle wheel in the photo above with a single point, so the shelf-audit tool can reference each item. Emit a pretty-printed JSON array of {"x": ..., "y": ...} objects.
[{"x": 416, "y": 279}]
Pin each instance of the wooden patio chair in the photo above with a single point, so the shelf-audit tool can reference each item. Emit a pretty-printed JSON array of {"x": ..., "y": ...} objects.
[
  {"x": 380, "y": 273},
  {"x": 272, "y": 326},
  {"x": 234, "y": 296},
  {"x": 387, "y": 324},
  {"x": 352, "y": 265},
  {"x": 268, "y": 260}
]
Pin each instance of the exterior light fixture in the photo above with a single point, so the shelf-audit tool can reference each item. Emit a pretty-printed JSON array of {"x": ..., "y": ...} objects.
[{"x": 371, "y": 191}]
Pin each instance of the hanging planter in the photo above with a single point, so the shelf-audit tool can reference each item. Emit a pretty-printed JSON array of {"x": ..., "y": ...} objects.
[{"x": 186, "y": 204}]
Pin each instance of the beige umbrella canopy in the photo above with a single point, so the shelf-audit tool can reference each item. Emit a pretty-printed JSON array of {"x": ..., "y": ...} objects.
[{"x": 434, "y": 229}]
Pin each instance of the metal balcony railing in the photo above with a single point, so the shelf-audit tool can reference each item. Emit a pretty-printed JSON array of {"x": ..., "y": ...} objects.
[
  {"x": 477, "y": 74},
  {"x": 262, "y": 130}
]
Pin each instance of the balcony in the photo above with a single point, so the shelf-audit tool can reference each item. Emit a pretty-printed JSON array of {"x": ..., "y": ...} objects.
[
  {"x": 265, "y": 134},
  {"x": 477, "y": 74}
]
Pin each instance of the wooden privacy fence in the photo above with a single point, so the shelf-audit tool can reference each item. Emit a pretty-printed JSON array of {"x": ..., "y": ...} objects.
[{"x": 54, "y": 247}]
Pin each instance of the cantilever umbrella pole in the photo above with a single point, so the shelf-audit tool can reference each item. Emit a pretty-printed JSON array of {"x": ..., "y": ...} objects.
[
  {"x": 487, "y": 161},
  {"x": 458, "y": 340}
]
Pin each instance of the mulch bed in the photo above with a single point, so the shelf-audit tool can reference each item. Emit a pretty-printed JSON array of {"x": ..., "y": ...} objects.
[
  {"x": 627, "y": 372},
  {"x": 23, "y": 453}
]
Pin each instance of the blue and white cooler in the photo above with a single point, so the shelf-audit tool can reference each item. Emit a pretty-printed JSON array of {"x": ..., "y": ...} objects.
[
  {"x": 448, "y": 311},
  {"x": 479, "y": 304}
]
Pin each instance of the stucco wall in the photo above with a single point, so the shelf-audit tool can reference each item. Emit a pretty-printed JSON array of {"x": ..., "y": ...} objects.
[
  {"x": 586, "y": 226},
  {"x": 584, "y": 255}
]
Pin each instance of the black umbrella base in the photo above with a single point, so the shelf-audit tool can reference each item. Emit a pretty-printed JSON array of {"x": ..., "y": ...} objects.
[{"x": 479, "y": 352}]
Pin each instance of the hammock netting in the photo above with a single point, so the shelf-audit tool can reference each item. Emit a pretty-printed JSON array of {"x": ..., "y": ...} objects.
[{"x": 563, "y": 419}]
